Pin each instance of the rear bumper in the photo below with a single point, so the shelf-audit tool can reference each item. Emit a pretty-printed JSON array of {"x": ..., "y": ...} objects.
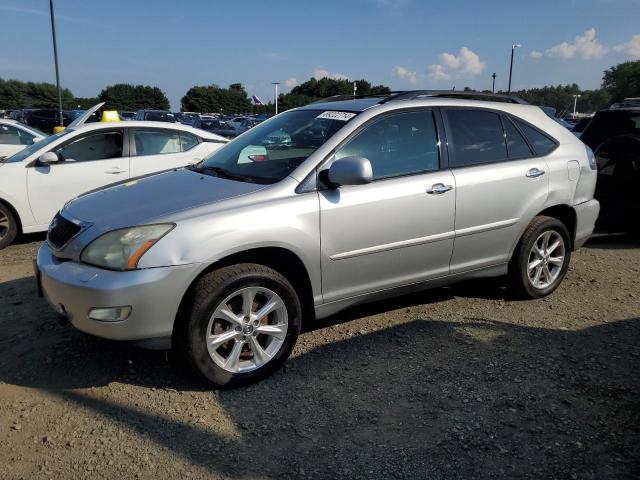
[
  {"x": 153, "y": 294},
  {"x": 586, "y": 216}
]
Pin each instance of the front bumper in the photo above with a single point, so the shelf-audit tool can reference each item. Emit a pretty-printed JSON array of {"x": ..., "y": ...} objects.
[
  {"x": 586, "y": 216},
  {"x": 154, "y": 295}
]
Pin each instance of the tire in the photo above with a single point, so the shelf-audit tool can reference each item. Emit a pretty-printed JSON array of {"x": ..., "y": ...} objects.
[
  {"x": 218, "y": 312},
  {"x": 537, "y": 282},
  {"x": 8, "y": 227}
]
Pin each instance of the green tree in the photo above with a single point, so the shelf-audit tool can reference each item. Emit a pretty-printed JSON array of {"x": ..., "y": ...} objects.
[
  {"x": 17, "y": 94},
  {"x": 622, "y": 80},
  {"x": 212, "y": 98},
  {"x": 123, "y": 96}
]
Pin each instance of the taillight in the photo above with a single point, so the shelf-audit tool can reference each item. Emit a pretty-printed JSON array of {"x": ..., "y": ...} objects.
[{"x": 257, "y": 158}]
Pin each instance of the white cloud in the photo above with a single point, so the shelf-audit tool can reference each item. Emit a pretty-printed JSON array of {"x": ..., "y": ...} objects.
[
  {"x": 291, "y": 82},
  {"x": 438, "y": 74},
  {"x": 536, "y": 55},
  {"x": 631, "y": 48},
  {"x": 466, "y": 64},
  {"x": 585, "y": 46},
  {"x": 321, "y": 72},
  {"x": 405, "y": 74}
]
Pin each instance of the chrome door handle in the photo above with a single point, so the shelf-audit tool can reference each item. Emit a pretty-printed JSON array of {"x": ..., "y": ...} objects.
[
  {"x": 535, "y": 172},
  {"x": 114, "y": 171},
  {"x": 439, "y": 189}
]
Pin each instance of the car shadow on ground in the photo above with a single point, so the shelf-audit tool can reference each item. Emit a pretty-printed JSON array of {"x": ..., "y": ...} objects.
[
  {"x": 613, "y": 241},
  {"x": 429, "y": 398}
]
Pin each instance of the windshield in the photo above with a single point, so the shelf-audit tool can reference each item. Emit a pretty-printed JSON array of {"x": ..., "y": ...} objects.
[
  {"x": 22, "y": 154},
  {"x": 273, "y": 149}
]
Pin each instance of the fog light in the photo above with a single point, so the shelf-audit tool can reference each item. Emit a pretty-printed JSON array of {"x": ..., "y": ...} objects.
[{"x": 113, "y": 314}]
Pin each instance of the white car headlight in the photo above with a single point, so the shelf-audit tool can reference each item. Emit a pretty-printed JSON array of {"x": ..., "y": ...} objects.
[{"x": 122, "y": 249}]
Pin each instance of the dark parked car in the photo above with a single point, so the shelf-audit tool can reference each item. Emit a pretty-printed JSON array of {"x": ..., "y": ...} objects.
[
  {"x": 614, "y": 137},
  {"x": 215, "y": 126},
  {"x": 127, "y": 115},
  {"x": 155, "y": 116},
  {"x": 46, "y": 118}
]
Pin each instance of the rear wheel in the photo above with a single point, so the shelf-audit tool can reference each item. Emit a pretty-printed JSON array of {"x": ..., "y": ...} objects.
[
  {"x": 541, "y": 259},
  {"x": 8, "y": 227},
  {"x": 242, "y": 326}
]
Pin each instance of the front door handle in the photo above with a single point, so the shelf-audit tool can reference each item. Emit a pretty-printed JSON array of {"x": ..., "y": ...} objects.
[
  {"x": 438, "y": 189},
  {"x": 115, "y": 171},
  {"x": 535, "y": 172}
]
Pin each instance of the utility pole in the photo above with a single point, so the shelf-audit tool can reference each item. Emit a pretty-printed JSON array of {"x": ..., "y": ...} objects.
[
  {"x": 575, "y": 104},
  {"x": 493, "y": 86},
  {"x": 55, "y": 58},
  {"x": 275, "y": 85},
  {"x": 513, "y": 47},
  {"x": 355, "y": 89}
]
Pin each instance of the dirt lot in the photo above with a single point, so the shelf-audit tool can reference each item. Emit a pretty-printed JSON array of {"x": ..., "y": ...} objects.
[{"x": 459, "y": 382}]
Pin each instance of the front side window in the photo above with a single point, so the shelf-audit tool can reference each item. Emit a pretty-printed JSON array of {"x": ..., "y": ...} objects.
[
  {"x": 270, "y": 151},
  {"x": 99, "y": 146},
  {"x": 10, "y": 135},
  {"x": 477, "y": 137},
  {"x": 150, "y": 141},
  {"x": 399, "y": 144}
]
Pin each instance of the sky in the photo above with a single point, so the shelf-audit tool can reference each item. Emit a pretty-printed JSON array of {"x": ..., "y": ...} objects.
[{"x": 405, "y": 44}]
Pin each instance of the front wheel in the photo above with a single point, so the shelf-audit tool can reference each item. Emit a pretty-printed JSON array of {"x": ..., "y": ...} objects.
[
  {"x": 242, "y": 326},
  {"x": 8, "y": 227},
  {"x": 541, "y": 259}
]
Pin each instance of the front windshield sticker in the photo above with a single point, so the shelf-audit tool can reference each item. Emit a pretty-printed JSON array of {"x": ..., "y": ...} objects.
[{"x": 342, "y": 116}]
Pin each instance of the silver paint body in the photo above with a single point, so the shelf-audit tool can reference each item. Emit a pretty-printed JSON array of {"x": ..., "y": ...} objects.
[{"x": 357, "y": 243}]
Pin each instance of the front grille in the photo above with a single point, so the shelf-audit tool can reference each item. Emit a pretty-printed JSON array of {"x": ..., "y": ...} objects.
[{"x": 61, "y": 231}]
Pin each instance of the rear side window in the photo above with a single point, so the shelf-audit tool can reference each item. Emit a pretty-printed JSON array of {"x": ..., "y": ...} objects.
[
  {"x": 477, "y": 137},
  {"x": 187, "y": 141},
  {"x": 516, "y": 144},
  {"x": 156, "y": 142},
  {"x": 542, "y": 144},
  {"x": 396, "y": 145}
]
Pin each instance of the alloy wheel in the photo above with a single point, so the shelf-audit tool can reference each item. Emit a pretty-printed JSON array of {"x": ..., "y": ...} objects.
[
  {"x": 247, "y": 329},
  {"x": 546, "y": 259}
]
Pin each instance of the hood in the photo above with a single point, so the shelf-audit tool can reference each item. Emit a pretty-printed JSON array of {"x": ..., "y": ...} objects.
[{"x": 141, "y": 200}]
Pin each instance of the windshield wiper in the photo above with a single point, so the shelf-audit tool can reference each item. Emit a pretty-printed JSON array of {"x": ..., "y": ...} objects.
[{"x": 220, "y": 172}]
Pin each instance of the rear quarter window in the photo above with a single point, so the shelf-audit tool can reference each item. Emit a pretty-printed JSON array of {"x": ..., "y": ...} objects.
[{"x": 541, "y": 143}]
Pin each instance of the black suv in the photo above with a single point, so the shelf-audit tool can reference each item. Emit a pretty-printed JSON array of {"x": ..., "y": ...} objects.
[{"x": 614, "y": 137}]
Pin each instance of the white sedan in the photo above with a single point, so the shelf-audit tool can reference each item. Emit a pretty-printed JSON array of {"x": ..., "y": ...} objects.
[
  {"x": 37, "y": 181},
  {"x": 14, "y": 136}
]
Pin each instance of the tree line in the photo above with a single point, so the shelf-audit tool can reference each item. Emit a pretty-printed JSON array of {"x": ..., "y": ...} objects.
[{"x": 618, "y": 82}]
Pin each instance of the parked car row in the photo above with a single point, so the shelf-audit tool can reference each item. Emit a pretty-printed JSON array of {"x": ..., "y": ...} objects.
[{"x": 36, "y": 181}]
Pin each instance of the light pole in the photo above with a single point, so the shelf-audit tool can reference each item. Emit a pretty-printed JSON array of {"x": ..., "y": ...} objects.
[
  {"x": 575, "y": 104},
  {"x": 55, "y": 58},
  {"x": 355, "y": 89},
  {"x": 493, "y": 86},
  {"x": 513, "y": 47},
  {"x": 275, "y": 85}
]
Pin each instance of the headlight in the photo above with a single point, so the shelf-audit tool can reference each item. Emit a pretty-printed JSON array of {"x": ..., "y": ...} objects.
[
  {"x": 122, "y": 249},
  {"x": 592, "y": 158}
]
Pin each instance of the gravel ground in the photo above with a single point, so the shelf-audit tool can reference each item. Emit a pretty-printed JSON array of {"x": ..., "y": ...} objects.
[{"x": 459, "y": 382}]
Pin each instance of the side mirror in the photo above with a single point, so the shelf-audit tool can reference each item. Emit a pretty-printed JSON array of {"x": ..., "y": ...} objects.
[
  {"x": 348, "y": 171},
  {"x": 48, "y": 158}
]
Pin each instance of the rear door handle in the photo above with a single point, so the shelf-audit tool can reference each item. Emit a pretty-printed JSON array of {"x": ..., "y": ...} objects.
[
  {"x": 535, "y": 172},
  {"x": 115, "y": 171},
  {"x": 438, "y": 189}
]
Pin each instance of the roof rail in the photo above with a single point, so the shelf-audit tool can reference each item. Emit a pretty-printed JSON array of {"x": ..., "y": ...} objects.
[{"x": 413, "y": 94}]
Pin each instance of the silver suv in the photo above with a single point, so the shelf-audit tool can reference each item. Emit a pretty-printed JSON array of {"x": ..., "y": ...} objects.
[{"x": 356, "y": 200}]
